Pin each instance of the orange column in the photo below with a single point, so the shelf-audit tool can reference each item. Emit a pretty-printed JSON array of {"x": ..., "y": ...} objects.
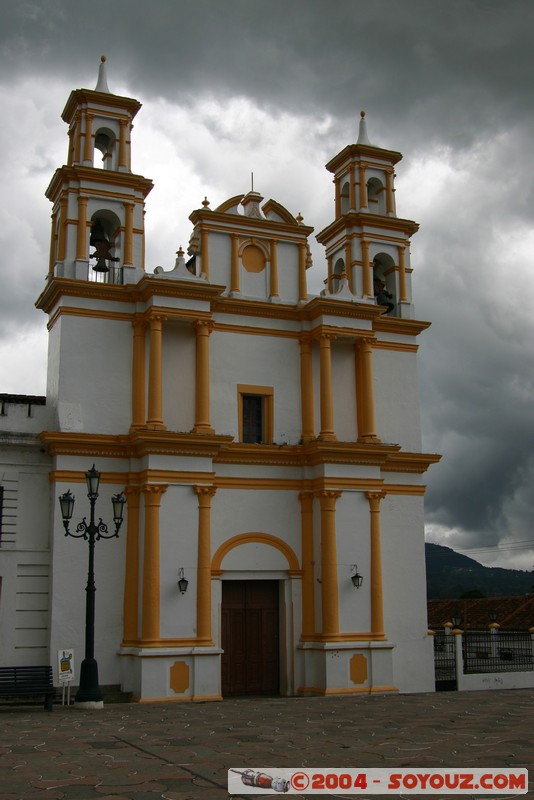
[
  {"x": 53, "y": 239},
  {"x": 155, "y": 377},
  {"x": 81, "y": 238},
  {"x": 88, "y": 143},
  {"x": 123, "y": 160},
  {"x": 151, "y": 565},
  {"x": 273, "y": 275},
  {"x": 306, "y": 389},
  {"x": 234, "y": 265},
  {"x": 367, "y": 290},
  {"x": 337, "y": 190},
  {"x": 365, "y": 392},
  {"x": 203, "y": 330},
  {"x": 308, "y": 561},
  {"x": 62, "y": 240},
  {"x": 131, "y": 577},
  {"x": 138, "y": 373},
  {"x": 204, "y": 254},
  {"x": 363, "y": 187},
  {"x": 352, "y": 187},
  {"x": 403, "y": 294},
  {"x": 77, "y": 137},
  {"x": 204, "y": 494},
  {"x": 390, "y": 205},
  {"x": 303, "y": 289},
  {"x": 329, "y": 585},
  {"x": 128, "y": 234},
  {"x": 377, "y": 602},
  {"x": 348, "y": 264},
  {"x": 327, "y": 405}
]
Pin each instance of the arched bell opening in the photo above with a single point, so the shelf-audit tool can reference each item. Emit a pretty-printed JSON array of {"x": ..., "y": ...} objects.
[
  {"x": 384, "y": 283},
  {"x": 337, "y": 274},
  {"x": 376, "y": 195},
  {"x": 105, "y": 241},
  {"x": 105, "y": 143}
]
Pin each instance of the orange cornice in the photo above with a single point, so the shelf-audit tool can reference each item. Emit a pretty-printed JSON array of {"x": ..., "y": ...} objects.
[
  {"x": 223, "y": 450},
  {"x": 86, "y": 97},
  {"x": 359, "y": 151},
  {"x": 80, "y": 174},
  {"x": 217, "y": 221},
  {"x": 147, "y": 288},
  {"x": 406, "y": 327},
  {"x": 366, "y": 221}
]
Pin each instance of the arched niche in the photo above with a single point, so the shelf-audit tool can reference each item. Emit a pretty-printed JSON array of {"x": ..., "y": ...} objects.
[
  {"x": 345, "y": 197},
  {"x": 384, "y": 269},
  {"x": 376, "y": 196},
  {"x": 105, "y": 144}
]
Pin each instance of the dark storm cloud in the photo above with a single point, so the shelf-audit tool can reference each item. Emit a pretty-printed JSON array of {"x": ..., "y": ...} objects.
[
  {"x": 444, "y": 69},
  {"x": 446, "y": 82}
]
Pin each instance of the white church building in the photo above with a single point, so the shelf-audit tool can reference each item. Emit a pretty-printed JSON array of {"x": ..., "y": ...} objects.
[{"x": 268, "y": 441}]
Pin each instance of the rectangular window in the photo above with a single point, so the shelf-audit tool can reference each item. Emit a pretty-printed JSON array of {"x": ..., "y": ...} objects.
[{"x": 255, "y": 410}]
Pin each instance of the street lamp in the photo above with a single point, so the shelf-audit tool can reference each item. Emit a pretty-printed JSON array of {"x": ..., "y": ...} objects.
[{"x": 89, "y": 691}]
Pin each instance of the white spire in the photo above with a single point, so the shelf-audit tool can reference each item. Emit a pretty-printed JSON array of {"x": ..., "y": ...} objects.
[
  {"x": 102, "y": 83},
  {"x": 362, "y": 136}
]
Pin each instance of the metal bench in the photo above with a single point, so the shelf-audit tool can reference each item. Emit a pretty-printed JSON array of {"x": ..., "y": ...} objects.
[{"x": 28, "y": 682}]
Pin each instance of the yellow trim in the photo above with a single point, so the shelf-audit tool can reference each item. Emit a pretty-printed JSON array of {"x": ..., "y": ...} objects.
[
  {"x": 234, "y": 264},
  {"x": 179, "y": 678},
  {"x": 138, "y": 372},
  {"x": 303, "y": 288},
  {"x": 273, "y": 274},
  {"x": 359, "y": 690},
  {"x": 396, "y": 346},
  {"x": 259, "y": 538},
  {"x": 150, "y": 619},
  {"x": 377, "y": 601},
  {"x": 329, "y": 584},
  {"x": 327, "y": 432},
  {"x": 308, "y": 561},
  {"x": 203, "y": 330},
  {"x": 204, "y": 495},
  {"x": 365, "y": 394},
  {"x": 81, "y": 237},
  {"x": 131, "y": 577},
  {"x": 155, "y": 374},
  {"x": 267, "y": 392},
  {"x": 306, "y": 389},
  {"x": 128, "y": 234}
]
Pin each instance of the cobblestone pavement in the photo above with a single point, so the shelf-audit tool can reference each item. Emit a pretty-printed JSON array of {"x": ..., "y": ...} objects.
[{"x": 182, "y": 751}]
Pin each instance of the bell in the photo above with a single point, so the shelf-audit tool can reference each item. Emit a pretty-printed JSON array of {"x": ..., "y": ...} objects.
[
  {"x": 101, "y": 266},
  {"x": 98, "y": 234}
]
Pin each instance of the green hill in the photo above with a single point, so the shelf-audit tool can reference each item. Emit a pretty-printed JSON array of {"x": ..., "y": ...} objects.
[{"x": 449, "y": 575}]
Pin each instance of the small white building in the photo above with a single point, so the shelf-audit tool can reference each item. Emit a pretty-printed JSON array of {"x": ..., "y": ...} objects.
[{"x": 268, "y": 441}]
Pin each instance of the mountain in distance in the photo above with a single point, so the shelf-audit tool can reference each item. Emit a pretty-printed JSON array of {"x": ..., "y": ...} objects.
[{"x": 449, "y": 575}]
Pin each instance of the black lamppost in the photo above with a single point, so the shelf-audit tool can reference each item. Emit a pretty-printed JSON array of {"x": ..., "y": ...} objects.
[{"x": 89, "y": 690}]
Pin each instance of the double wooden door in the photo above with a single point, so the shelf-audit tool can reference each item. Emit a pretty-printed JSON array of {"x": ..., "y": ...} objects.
[{"x": 250, "y": 623}]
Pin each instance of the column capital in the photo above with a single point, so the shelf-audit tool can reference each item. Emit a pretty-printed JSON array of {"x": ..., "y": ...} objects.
[
  {"x": 374, "y": 499},
  {"x": 204, "y": 491},
  {"x": 203, "y": 326},
  {"x": 132, "y": 491},
  {"x": 153, "y": 492},
  {"x": 330, "y": 494}
]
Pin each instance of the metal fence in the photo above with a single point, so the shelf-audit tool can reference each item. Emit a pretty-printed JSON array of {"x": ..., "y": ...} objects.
[
  {"x": 505, "y": 651},
  {"x": 115, "y": 275},
  {"x": 444, "y": 659}
]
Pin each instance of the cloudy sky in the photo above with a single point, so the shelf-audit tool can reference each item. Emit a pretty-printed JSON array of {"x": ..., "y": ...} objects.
[{"x": 231, "y": 87}]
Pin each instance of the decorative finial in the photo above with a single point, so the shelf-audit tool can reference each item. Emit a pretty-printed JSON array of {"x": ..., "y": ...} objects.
[
  {"x": 300, "y": 218},
  {"x": 102, "y": 83},
  {"x": 362, "y": 136},
  {"x": 205, "y": 202},
  {"x": 180, "y": 252}
]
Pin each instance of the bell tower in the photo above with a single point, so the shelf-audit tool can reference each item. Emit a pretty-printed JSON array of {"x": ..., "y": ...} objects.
[
  {"x": 98, "y": 202},
  {"x": 367, "y": 245}
]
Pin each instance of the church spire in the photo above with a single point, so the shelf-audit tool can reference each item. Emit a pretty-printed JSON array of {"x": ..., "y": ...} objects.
[
  {"x": 362, "y": 136},
  {"x": 102, "y": 83}
]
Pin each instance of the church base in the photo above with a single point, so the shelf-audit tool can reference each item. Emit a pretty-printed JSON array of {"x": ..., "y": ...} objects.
[
  {"x": 331, "y": 668},
  {"x": 174, "y": 673}
]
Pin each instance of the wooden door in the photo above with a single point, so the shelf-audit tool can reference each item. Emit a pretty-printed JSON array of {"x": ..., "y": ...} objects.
[{"x": 250, "y": 662}]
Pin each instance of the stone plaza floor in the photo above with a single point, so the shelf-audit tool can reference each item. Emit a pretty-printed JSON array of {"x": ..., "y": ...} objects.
[{"x": 182, "y": 751}]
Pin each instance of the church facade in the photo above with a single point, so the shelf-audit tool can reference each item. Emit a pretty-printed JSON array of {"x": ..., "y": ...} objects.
[{"x": 267, "y": 441}]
